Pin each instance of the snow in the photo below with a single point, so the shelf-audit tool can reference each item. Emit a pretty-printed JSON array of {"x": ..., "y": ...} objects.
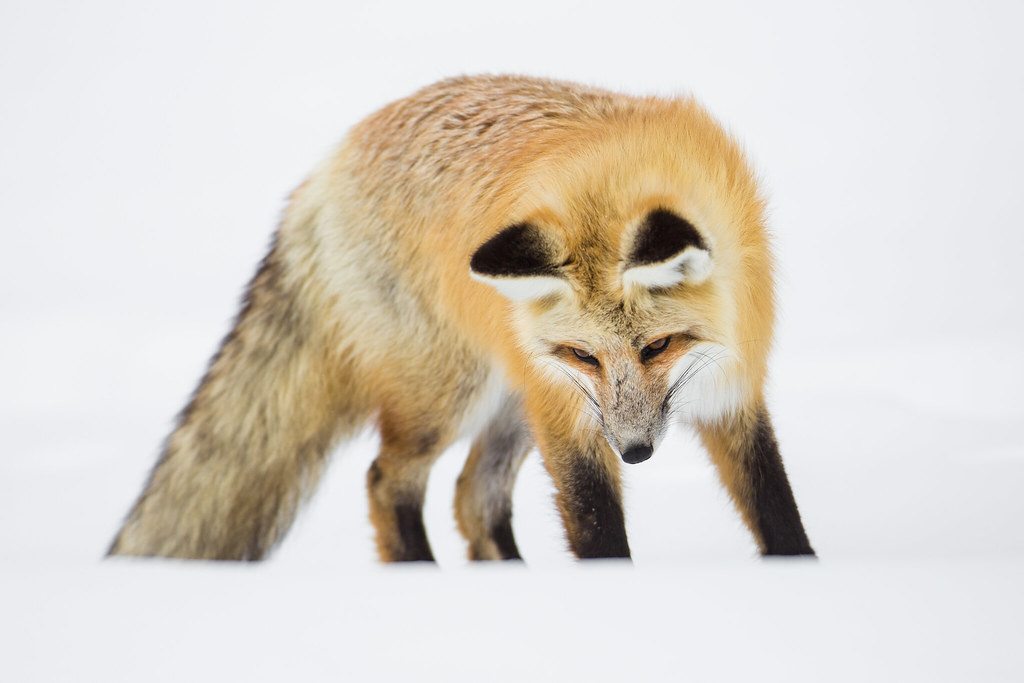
[
  {"x": 700, "y": 620},
  {"x": 147, "y": 152}
]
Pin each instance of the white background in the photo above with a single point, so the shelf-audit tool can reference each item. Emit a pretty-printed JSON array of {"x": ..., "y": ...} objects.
[{"x": 145, "y": 153}]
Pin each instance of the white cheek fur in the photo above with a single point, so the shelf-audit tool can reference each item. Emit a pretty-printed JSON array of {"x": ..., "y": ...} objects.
[{"x": 709, "y": 385}]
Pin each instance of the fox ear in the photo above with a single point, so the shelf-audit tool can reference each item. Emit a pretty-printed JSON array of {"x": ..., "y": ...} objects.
[
  {"x": 520, "y": 263},
  {"x": 666, "y": 251}
]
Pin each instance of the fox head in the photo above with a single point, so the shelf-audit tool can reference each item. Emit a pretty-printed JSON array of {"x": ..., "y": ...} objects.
[
  {"x": 638, "y": 272},
  {"x": 637, "y": 331}
]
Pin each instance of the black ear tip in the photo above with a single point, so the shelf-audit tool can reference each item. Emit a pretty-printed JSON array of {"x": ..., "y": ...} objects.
[
  {"x": 663, "y": 235},
  {"x": 518, "y": 250},
  {"x": 481, "y": 259}
]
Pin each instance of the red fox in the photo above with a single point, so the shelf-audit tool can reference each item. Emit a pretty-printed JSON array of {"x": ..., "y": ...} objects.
[{"x": 521, "y": 261}]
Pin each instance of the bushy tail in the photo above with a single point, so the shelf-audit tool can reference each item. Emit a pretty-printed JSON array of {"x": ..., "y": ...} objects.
[{"x": 252, "y": 441}]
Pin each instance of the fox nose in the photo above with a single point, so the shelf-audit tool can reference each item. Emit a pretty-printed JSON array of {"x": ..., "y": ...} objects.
[{"x": 635, "y": 454}]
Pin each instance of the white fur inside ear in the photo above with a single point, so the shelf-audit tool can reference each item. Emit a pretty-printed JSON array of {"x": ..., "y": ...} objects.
[
  {"x": 526, "y": 288},
  {"x": 692, "y": 265}
]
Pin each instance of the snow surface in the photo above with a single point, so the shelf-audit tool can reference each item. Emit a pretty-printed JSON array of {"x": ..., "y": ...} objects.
[{"x": 146, "y": 153}]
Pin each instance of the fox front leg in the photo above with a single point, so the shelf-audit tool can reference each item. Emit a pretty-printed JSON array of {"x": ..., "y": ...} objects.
[
  {"x": 589, "y": 497},
  {"x": 744, "y": 449}
]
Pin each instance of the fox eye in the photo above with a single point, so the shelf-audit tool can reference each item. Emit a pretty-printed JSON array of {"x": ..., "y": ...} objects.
[
  {"x": 584, "y": 356},
  {"x": 654, "y": 348}
]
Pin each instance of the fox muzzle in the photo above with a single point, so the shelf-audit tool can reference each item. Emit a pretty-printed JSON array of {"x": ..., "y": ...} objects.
[{"x": 635, "y": 454}]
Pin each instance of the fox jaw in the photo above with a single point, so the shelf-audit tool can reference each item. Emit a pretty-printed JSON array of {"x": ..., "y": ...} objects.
[{"x": 629, "y": 330}]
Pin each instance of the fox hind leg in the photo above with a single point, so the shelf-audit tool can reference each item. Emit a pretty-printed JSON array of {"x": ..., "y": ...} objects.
[
  {"x": 396, "y": 484},
  {"x": 483, "y": 494}
]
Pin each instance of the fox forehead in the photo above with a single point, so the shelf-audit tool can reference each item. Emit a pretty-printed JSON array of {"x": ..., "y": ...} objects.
[
  {"x": 591, "y": 254},
  {"x": 585, "y": 256},
  {"x": 605, "y": 320},
  {"x": 592, "y": 218}
]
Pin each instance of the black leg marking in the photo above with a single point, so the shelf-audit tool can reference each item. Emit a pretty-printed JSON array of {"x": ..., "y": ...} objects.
[
  {"x": 412, "y": 534},
  {"x": 777, "y": 515},
  {"x": 598, "y": 527},
  {"x": 501, "y": 534}
]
